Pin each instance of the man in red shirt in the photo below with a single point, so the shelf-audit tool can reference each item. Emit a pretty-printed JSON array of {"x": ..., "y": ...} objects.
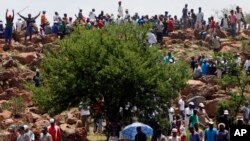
[
  {"x": 54, "y": 131},
  {"x": 233, "y": 21},
  {"x": 171, "y": 25},
  {"x": 212, "y": 26}
]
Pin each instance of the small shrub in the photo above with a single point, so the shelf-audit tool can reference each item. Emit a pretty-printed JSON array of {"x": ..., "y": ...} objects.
[
  {"x": 5, "y": 106},
  {"x": 17, "y": 105}
]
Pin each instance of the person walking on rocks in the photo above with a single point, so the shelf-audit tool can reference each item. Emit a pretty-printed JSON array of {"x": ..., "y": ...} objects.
[
  {"x": 85, "y": 113},
  {"x": 30, "y": 21},
  {"x": 45, "y": 136},
  {"x": 54, "y": 131},
  {"x": 9, "y": 27}
]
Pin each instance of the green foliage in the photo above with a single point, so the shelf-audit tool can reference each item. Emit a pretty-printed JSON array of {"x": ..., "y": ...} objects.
[
  {"x": 245, "y": 46},
  {"x": 114, "y": 62},
  {"x": 235, "y": 78},
  {"x": 223, "y": 105},
  {"x": 5, "y": 106},
  {"x": 17, "y": 105}
]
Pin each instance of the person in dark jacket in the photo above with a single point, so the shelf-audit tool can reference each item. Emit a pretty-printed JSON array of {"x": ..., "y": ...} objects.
[
  {"x": 30, "y": 24},
  {"x": 140, "y": 136},
  {"x": 225, "y": 118}
]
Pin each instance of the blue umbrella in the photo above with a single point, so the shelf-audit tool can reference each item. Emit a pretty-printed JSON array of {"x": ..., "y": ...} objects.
[{"x": 129, "y": 131}]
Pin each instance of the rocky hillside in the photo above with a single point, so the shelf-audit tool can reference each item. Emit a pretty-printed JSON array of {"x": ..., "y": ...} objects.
[{"x": 18, "y": 66}]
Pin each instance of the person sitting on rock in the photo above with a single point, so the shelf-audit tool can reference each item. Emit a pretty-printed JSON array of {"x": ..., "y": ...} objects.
[
  {"x": 45, "y": 136},
  {"x": 30, "y": 21}
]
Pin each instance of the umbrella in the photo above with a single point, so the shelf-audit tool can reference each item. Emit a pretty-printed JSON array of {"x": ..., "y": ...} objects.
[{"x": 129, "y": 131}]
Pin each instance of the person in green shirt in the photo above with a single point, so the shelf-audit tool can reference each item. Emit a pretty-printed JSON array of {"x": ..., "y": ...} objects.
[
  {"x": 62, "y": 30},
  {"x": 9, "y": 27},
  {"x": 194, "y": 119}
]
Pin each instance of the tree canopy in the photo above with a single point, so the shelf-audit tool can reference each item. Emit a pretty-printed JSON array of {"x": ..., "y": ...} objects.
[{"x": 114, "y": 62}]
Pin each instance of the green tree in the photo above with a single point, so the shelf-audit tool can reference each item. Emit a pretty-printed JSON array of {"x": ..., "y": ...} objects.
[
  {"x": 235, "y": 78},
  {"x": 114, "y": 62}
]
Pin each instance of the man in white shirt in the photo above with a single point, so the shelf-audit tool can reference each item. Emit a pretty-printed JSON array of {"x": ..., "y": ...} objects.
[
  {"x": 199, "y": 19},
  {"x": 188, "y": 112},
  {"x": 238, "y": 17},
  {"x": 92, "y": 16},
  {"x": 171, "y": 116},
  {"x": 85, "y": 113},
  {"x": 22, "y": 134},
  {"x": 29, "y": 133},
  {"x": 247, "y": 64},
  {"x": 174, "y": 136},
  {"x": 151, "y": 38},
  {"x": 127, "y": 16},
  {"x": 120, "y": 9},
  {"x": 119, "y": 20},
  {"x": 181, "y": 103},
  {"x": 56, "y": 18},
  {"x": 19, "y": 25},
  {"x": 160, "y": 136}
]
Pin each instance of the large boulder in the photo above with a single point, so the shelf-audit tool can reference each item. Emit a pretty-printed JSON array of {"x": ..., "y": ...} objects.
[
  {"x": 7, "y": 122},
  {"x": 68, "y": 130},
  {"x": 81, "y": 134},
  {"x": 26, "y": 58},
  {"x": 211, "y": 106},
  {"x": 5, "y": 115}
]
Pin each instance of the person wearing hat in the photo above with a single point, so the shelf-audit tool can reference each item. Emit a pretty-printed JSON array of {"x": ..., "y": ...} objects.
[
  {"x": 22, "y": 134},
  {"x": 29, "y": 133},
  {"x": 174, "y": 136},
  {"x": 226, "y": 119},
  {"x": 9, "y": 27},
  {"x": 188, "y": 112},
  {"x": 222, "y": 134},
  {"x": 202, "y": 110},
  {"x": 240, "y": 120},
  {"x": 45, "y": 136},
  {"x": 12, "y": 134},
  {"x": 54, "y": 131},
  {"x": 246, "y": 113},
  {"x": 210, "y": 132},
  {"x": 120, "y": 9}
]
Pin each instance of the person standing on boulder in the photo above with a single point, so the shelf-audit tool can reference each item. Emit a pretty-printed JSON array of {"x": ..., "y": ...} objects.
[
  {"x": 9, "y": 27},
  {"x": 185, "y": 17},
  {"x": 54, "y": 131},
  {"x": 199, "y": 19},
  {"x": 233, "y": 21},
  {"x": 30, "y": 24}
]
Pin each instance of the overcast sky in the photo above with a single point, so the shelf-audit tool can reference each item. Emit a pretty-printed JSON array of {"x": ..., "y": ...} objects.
[{"x": 150, "y": 7}]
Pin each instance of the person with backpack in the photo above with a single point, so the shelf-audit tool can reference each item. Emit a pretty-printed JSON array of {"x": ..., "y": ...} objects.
[
  {"x": 9, "y": 27},
  {"x": 30, "y": 21}
]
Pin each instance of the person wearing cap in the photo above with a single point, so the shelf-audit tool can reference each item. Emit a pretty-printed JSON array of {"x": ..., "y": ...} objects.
[
  {"x": 222, "y": 134},
  {"x": 54, "y": 131},
  {"x": 45, "y": 136},
  {"x": 202, "y": 110},
  {"x": 193, "y": 119},
  {"x": 188, "y": 112},
  {"x": 174, "y": 136},
  {"x": 120, "y": 9},
  {"x": 12, "y": 134},
  {"x": 29, "y": 133},
  {"x": 210, "y": 132},
  {"x": 22, "y": 134},
  {"x": 226, "y": 119},
  {"x": 246, "y": 113},
  {"x": 194, "y": 136},
  {"x": 30, "y": 21}
]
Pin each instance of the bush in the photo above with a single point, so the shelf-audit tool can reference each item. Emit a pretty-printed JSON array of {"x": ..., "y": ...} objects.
[{"x": 17, "y": 104}]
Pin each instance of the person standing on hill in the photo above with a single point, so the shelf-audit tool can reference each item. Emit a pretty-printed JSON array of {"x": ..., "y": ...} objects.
[
  {"x": 199, "y": 19},
  {"x": 120, "y": 9},
  {"x": 239, "y": 18},
  {"x": 225, "y": 23},
  {"x": 43, "y": 20},
  {"x": 185, "y": 16},
  {"x": 233, "y": 21},
  {"x": 9, "y": 27},
  {"x": 30, "y": 24}
]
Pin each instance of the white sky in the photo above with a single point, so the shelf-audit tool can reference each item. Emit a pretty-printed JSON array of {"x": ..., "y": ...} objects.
[{"x": 150, "y": 7}]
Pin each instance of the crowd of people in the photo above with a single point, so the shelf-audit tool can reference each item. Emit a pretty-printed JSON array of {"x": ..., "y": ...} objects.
[{"x": 183, "y": 126}]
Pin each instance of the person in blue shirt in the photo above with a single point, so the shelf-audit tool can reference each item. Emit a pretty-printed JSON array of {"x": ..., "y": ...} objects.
[
  {"x": 210, "y": 132},
  {"x": 204, "y": 68},
  {"x": 194, "y": 136},
  {"x": 169, "y": 58},
  {"x": 55, "y": 28},
  {"x": 141, "y": 21}
]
